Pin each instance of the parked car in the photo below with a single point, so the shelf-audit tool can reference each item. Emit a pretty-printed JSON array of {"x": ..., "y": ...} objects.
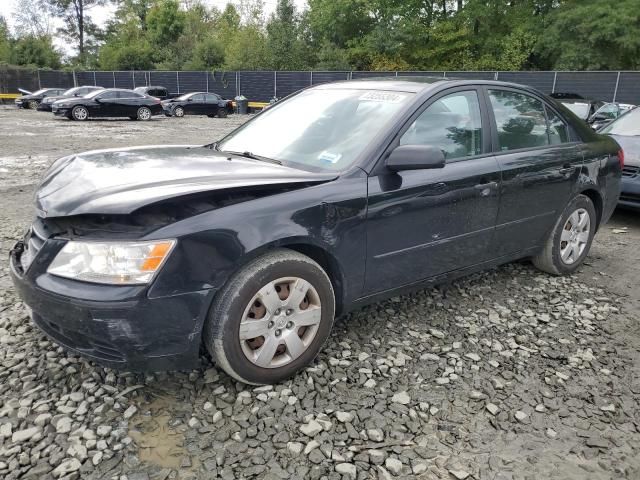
[
  {"x": 335, "y": 197},
  {"x": 155, "y": 91},
  {"x": 32, "y": 100},
  {"x": 582, "y": 108},
  {"x": 110, "y": 102},
  {"x": 565, "y": 95},
  {"x": 198, "y": 103},
  {"x": 626, "y": 131},
  {"x": 607, "y": 113},
  {"x": 46, "y": 103}
]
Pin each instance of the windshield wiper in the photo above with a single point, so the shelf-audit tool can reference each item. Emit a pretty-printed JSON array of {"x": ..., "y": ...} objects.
[{"x": 252, "y": 156}]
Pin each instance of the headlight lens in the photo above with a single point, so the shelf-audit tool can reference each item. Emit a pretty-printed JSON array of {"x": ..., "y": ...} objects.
[{"x": 117, "y": 263}]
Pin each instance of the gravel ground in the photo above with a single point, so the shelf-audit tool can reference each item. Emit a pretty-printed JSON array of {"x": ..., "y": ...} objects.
[{"x": 508, "y": 374}]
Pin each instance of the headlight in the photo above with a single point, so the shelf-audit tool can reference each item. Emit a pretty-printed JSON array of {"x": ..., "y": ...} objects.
[{"x": 118, "y": 263}]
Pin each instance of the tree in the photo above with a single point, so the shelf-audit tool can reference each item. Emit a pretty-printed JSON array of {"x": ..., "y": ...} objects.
[
  {"x": 5, "y": 44},
  {"x": 35, "y": 51},
  {"x": 33, "y": 17},
  {"x": 248, "y": 51},
  {"x": 165, "y": 22},
  {"x": 77, "y": 22},
  {"x": 287, "y": 50}
]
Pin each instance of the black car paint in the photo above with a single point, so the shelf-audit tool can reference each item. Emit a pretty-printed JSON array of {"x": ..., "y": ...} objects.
[
  {"x": 45, "y": 106},
  {"x": 377, "y": 233},
  {"x": 191, "y": 106},
  {"x": 115, "y": 107},
  {"x": 156, "y": 91},
  {"x": 23, "y": 101}
]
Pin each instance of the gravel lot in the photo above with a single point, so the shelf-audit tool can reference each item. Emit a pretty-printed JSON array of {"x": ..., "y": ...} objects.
[{"x": 509, "y": 374}]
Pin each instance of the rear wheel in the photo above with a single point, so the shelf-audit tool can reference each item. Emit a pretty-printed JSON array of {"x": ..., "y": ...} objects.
[
  {"x": 222, "y": 112},
  {"x": 79, "y": 113},
  {"x": 144, "y": 113},
  {"x": 33, "y": 104},
  {"x": 570, "y": 240},
  {"x": 178, "y": 112},
  {"x": 271, "y": 318}
]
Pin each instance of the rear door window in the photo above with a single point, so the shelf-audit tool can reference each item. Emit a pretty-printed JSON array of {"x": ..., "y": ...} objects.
[
  {"x": 520, "y": 120},
  {"x": 558, "y": 130},
  {"x": 211, "y": 98},
  {"x": 197, "y": 98}
]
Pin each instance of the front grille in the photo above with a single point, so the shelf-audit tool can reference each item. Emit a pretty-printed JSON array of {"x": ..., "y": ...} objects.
[
  {"x": 33, "y": 242},
  {"x": 630, "y": 171}
]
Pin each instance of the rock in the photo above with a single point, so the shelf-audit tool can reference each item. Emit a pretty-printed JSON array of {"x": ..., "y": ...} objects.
[
  {"x": 104, "y": 430},
  {"x": 459, "y": 474},
  {"x": 5, "y": 430},
  {"x": 130, "y": 412},
  {"x": 597, "y": 442},
  {"x": 67, "y": 466},
  {"x": 393, "y": 465},
  {"x": 347, "y": 469},
  {"x": 551, "y": 433},
  {"x": 520, "y": 416},
  {"x": 402, "y": 398},
  {"x": 492, "y": 408},
  {"x": 376, "y": 457},
  {"x": 294, "y": 448},
  {"x": 375, "y": 434},
  {"x": 473, "y": 356},
  {"x": 63, "y": 425},
  {"x": 311, "y": 429},
  {"x": 608, "y": 408},
  {"x": 344, "y": 417},
  {"x": 25, "y": 435}
]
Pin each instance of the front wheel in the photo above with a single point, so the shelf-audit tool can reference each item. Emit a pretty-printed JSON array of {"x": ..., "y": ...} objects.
[
  {"x": 271, "y": 318},
  {"x": 79, "y": 113},
  {"x": 178, "y": 112},
  {"x": 33, "y": 105},
  {"x": 222, "y": 113},
  {"x": 570, "y": 240}
]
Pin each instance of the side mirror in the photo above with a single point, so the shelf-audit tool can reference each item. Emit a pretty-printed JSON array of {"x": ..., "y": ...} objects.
[
  {"x": 189, "y": 99},
  {"x": 415, "y": 157}
]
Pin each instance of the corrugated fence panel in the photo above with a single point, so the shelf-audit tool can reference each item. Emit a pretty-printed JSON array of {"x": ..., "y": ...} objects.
[
  {"x": 543, "y": 81},
  {"x": 421, "y": 74},
  {"x": 324, "y": 77},
  {"x": 12, "y": 79},
  {"x": 472, "y": 75},
  {"x": 223, "y": 83},
  {"x": 104, "y": 79},
  {"x": 597, "y": 85},
  {"x": 193, "y": 82},
  {"x": 84, "y": 78},
  {"x": 139, "y": 79},
  {"x": 124, "y": 79},
  {"x": 257, "y": 86},
  {"x": 629, "y": 88},
  {"x": 169, "y": 80},
  {"x": 290, "y": 82},
  {"x": 54, "y": 78},
  {"x": 356, "y": 75}
]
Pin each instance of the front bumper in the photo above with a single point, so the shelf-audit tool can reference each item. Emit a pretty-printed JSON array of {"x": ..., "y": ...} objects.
[
  {"x": 115, "y": 326},
  {"x": 61, "y": 111},
  {"x": 44, "y": 107},
  {"x": 630, "y": 192},
  {"x": 19, "y": 104}
]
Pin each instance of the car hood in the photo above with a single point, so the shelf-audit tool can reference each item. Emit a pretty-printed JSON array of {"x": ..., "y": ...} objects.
[
  {"x": 631, "y": 147},
  {"x": 55, "y": 98},
  {"x": 120, "y": 181}
]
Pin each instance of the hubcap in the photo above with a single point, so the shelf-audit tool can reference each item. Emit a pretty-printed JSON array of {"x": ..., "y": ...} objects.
[
  {"x": 179, "y": 112},
  {"x": 575, "y": 236},
  {"x": 81, "y": 113},
  {"x": 280, "y": 322},
  {"x": 144, "y": 114}
]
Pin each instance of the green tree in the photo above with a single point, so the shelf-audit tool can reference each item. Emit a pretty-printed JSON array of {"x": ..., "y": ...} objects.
[
  {"x": 5, "y": 42},
  {"x": 287, "y": 50},
  {"x": 247, "y": 51},
  {"x": 35, "y": 51}
]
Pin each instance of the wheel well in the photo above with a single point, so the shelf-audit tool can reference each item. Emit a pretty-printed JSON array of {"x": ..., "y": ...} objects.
[
  {"x": 328, "y": 264},
  {"x": 595, "y": 197}
]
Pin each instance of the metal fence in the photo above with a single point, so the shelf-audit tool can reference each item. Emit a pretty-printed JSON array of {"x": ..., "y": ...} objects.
[{"x": 261, "y": 86}]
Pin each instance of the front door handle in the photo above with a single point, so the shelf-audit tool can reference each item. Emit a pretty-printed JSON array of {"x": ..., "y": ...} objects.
[
  {"x": 567, "y": 168},
  {"x": 483, "y": 186}
]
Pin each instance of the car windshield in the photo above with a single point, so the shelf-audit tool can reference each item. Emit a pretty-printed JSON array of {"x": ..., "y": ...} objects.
[
  {"x": 94, "y": 93},
  {"x": 71, "y": 91},
  {"x": 580, "y": 109},
  {"x": 41, "y": 91},
  {"x": 185, "y": 96},
  {"x": 626, "y": 125},
  {"x": 139, "y": 89},
  {"x": 322, "y": 129}
]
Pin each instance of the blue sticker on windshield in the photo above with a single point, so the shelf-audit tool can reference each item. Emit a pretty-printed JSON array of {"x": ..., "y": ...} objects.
[{"x": 329, "y": 157}]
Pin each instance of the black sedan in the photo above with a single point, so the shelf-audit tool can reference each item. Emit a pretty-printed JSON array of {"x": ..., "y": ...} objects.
[
  {"x": 111, "y": 102},
  {"x": 47, "y": 102},
  {"x": 155, "y": 91},
  {"x": 32, "y": 100},
  {"x": 198, "y": 103},
  {"x": 335, "y": 197},
  {"x": 626, "y": 131}
]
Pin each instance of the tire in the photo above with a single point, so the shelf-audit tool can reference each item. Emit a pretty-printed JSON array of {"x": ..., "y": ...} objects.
[
  {"x": 290, "y": 340},
  {"x": 178, "y": 112},
  {"x": 569, "y": 242},
  {"x": 144, "y": 114},
  {"x": 222, "y": 113},
  {"x": 33, "y": 104},
  {"x": 79, "y": 113}
]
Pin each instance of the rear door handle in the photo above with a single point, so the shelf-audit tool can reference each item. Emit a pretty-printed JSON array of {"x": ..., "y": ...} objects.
[
  {"x": 567, "y": 169},
  {"x": 482, "y": 186}
]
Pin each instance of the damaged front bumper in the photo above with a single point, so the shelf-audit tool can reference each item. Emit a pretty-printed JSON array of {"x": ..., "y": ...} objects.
[{"x": 115, "y": 326}]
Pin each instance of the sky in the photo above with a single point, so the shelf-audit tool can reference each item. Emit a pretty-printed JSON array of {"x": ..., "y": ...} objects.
[{"x": 100, "y": 15}]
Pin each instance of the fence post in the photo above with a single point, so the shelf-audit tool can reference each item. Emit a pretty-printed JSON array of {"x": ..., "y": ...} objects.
[
  {"x": 178, "y": 81},
  {"x": 206, "y": 75},
  {"x": 39, "y": 86},
  {"x": 615, "y": 92},
  {"x": 75, "y": 80},
  {"x": 555, "y": 77},
  {"x": 311, "y": 78},
  {"x": 237, "y": 84},
  {"x": 495, "y": 76},
  {"x": 275, "y": 84},
  {"x": 113, "y": 74},
  {"x": 95, "y": 84},
  {"x": 133, "y": 78}
]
